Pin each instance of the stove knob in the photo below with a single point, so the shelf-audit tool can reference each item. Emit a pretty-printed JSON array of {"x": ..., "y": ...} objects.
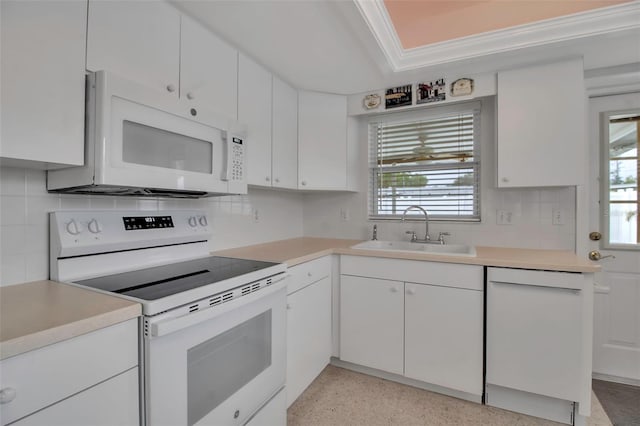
[
  {"x": 193, "y": 221},
  {"x": 203, "y": 221},
  {"x": 73, "y": 227},
  {"x": 94, "y": 226}
]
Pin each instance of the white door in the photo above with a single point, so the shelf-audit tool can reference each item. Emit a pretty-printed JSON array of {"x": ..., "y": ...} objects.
[{"x": 614, "y": 123}]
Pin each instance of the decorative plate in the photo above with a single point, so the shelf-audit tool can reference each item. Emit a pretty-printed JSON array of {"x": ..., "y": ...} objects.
[{"x": 372, "y": 101}]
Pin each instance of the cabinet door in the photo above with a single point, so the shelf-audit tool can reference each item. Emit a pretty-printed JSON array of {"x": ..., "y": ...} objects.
[
  {"x": 285, "y": 135},
  {"x": 308, "y": 336},
  {"x": 541, "y": 121},
  {"x": 443, "y": 336},
  {"x": 208, "y": 70},
  {"x": 112, "y": 402},
  {"x": 254, "y": 110},
  {"x": 43, "y": 77},
  {"x": 534, "y": 336},
  {"x": 138, "y": 40},
  {"x": 371, "y": 323},
  {"x": 322, "y": 141}
]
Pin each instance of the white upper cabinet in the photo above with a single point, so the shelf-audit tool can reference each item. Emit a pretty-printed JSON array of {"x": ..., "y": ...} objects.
[
  {"x": 284, "y": 139},
  {"x": 322, "y": 141},
  {"x": 254, "y": 111},
  {"x": 208, "y": 70},
  {"x": 541, "y": 125},
  {"x": 138, "y": 40},
  {"x": 43, "y": 77}
]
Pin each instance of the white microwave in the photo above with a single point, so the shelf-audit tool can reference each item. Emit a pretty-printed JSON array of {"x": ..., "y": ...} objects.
[{"x": 141, "y": 142}]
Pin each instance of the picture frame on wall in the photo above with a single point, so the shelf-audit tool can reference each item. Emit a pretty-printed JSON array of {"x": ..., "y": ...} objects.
[
  {"x": 431, "y": 91},
  {"x": 398, "y": 96}
]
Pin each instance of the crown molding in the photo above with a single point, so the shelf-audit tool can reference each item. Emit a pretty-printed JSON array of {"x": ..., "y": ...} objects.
[{"x": 611, "y": 19}]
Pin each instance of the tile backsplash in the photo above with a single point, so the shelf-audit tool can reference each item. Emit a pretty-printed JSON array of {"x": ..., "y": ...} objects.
[{"x": 24, "y": 231}]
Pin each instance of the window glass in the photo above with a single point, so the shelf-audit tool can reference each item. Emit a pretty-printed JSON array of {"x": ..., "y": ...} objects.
[
  {"x": 431, "y": 162},
  {"x": 622, "y": 184}
]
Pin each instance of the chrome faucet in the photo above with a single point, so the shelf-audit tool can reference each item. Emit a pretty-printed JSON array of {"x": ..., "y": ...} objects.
[
  {"x": 427, "y": 238},
  {"x": 375, "y": 233}
]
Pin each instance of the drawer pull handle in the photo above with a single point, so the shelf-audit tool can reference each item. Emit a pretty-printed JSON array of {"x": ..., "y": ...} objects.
[{"x": 7, "y": 395}]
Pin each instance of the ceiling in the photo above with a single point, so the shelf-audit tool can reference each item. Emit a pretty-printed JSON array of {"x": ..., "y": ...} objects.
[
  {"x": 333, "y": 46},
  {"x": 419, "y": 23}
]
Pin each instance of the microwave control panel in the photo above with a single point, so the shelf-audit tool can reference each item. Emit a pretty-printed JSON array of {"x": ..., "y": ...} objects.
[{"x": 237, "y": 159}]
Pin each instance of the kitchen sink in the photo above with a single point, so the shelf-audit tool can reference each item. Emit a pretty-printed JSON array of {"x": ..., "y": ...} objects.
[{"x": 409, "y": 247}]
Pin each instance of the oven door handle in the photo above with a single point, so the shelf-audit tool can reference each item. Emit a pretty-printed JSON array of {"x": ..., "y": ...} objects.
[{"x": 170, "y": 325}]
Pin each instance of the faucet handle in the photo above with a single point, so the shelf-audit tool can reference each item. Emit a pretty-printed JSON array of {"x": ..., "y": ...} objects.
[
  {"x": 413, "y": 235},
  {"x": 441, "y": 236}
]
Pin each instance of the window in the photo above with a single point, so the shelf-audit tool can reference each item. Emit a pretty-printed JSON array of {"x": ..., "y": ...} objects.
[
  {"x": 621, "y": 194},
  {"x": 431, "y": 160}
]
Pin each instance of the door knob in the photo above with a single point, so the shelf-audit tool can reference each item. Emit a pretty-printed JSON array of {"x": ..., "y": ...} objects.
[{"x": 595, "y": 255}]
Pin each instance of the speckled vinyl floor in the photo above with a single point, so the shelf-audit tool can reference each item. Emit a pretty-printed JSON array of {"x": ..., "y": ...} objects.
[{"x": 342, "y": 397}]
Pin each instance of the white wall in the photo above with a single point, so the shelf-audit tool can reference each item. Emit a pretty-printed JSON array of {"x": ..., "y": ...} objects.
[
  {"x": 532, "y": 207},
  {"x": 24, "y": 232}
]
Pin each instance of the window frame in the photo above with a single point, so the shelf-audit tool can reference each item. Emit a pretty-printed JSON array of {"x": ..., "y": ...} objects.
[
  {"x": 425, "y": 114},
  {"x": 605, "y": 162}
]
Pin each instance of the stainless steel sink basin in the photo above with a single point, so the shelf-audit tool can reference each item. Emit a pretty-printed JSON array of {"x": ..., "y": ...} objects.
[{"x": 406, "y": 246}]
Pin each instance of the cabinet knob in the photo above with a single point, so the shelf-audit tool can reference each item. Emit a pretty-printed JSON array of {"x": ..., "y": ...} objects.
[
  {"x": 277, "y": 180},
  {"x": 171, "y": 88},
  {"x": 289, "y": 306},
  {"x": 267, "y": 178},
  {"x": 411, "y": 291},
  {"x": 394, "y": 289},
  {"x": 309, "y": 274},
  {"x": 7, "y": 395},
  {"x": 505, "y": 180},
  {"x": 304, "y": 183},
  {"x": 190, "y": 96}
]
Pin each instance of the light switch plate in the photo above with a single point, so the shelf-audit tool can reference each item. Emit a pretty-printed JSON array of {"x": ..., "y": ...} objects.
[{"x": 504, "y": 217}]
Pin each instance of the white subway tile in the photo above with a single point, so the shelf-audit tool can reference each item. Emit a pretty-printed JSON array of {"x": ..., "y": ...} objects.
[
  {"x": 12, "y": 270},
  {"x": 12, "y": 240},
  {"x": 12, "y": 210},
  {"x": 74, "y": 202},
  {"x": 39, "y": 207},
  {"x": 36, "y": 182},
  {"x": 12, "y": 181},
  {"x": 37, "y": 266}
]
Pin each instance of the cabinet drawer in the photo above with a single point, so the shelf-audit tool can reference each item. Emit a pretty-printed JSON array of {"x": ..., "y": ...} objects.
[
  {"x": 113, "y": 402},
  {"x": 309, "y": 272},
  {"x": 414, "y": 271},
  {"x": 47, "y": 375}
]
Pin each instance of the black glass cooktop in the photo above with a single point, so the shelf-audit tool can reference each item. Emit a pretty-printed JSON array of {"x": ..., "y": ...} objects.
[{"x": 166, "y": 280}]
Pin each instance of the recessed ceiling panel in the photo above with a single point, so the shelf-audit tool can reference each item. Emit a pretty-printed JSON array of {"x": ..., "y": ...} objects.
[{"x": 424, "y": 22}]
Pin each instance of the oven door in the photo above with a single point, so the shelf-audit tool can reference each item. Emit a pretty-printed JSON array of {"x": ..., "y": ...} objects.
[{"x": 217, "y": 366}]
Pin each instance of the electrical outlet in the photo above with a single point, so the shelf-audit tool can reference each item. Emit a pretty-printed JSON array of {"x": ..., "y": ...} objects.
[
  {"x": 557, "y": 217},
  {"x": 256, "y": 216},
  {"x": 504, "y": 217}
]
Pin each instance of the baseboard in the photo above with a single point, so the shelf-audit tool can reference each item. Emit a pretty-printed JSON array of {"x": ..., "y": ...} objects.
[
  {"x": 616, "y": 379},
  {"x": 406, "y": 381},
  {"x": 545, "y": 407}
]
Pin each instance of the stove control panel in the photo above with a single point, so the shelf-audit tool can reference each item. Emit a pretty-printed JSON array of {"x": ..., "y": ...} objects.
[{"x": 76, "y": 233}]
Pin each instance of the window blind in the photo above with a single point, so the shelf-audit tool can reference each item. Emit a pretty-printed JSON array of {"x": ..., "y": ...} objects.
[{"x": 431, "y": 162}]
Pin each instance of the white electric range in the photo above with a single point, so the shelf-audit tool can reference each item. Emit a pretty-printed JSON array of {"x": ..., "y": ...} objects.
[{"x": 213, "y": 328}]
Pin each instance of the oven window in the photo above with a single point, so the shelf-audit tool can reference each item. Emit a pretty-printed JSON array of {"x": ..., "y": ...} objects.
[
  {"x": 220, "y": 366},
  {"x": 156, "y": 147}
]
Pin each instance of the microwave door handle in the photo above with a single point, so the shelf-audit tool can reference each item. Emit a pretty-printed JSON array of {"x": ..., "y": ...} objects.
[{"x": 227, "y": 161}]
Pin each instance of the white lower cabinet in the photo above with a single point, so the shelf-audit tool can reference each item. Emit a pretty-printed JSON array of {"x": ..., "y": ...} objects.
[
  {"x": 94, "y": 406},
  {"x": 90, "y": 379},
  {"x": 427, "y": 324},
  {"x": 308, "y": 325},
  {"x": 539, "y": 326},
  {"x": 444, "y": 336},
  {"x": 371, "y": 323}
]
